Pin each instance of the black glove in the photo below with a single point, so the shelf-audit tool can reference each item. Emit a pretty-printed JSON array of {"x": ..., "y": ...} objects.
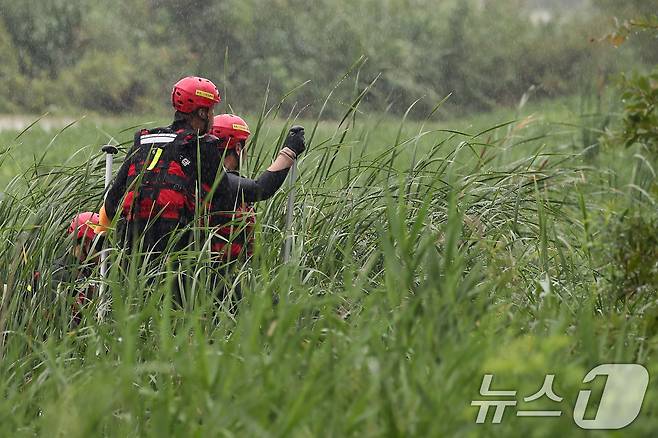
[{"x": 295, "y": 140}]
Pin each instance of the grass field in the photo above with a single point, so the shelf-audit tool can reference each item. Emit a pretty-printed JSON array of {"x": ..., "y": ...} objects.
[{"x": 425, "y": 256}]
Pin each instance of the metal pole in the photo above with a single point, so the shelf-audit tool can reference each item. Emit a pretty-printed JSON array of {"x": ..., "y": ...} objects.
[
  {"x": 287, "y": 249},
  {"x": 110, "y": 151}
]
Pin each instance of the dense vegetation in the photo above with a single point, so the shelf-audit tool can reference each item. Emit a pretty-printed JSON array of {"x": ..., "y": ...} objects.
[
  {"x": 423, "y": 259},
  {"x": 122, "y": 56},
  {"x": 426, "y": 253}
]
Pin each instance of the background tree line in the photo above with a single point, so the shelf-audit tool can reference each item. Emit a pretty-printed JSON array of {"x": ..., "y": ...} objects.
[{"x": 63, "y": 55}]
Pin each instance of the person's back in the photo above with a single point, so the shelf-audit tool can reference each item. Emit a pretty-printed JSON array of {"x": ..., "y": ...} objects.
[
  {"x": 155, "y": 188},
  {"x": 156, "y": 192}
]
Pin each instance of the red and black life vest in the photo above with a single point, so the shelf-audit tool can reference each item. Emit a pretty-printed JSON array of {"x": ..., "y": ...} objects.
[
  {"x": 161, "y": 176},
  {"x": 233, "y": 232}
]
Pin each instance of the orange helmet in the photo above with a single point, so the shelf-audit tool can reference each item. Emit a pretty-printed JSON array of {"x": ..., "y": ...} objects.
[
  {"x": 232, "y": 130},
  {"x": 83, "y": 225},
  {"x": 192, "y": 92}
]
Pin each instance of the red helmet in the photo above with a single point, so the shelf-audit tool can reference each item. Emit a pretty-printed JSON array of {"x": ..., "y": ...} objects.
[
  {"x": 231, "y": 129},
  {"x": 84, "y": 224},
  {"x": 192, "y": 92}
]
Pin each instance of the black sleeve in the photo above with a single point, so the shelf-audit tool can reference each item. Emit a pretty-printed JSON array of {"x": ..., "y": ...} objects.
[
  {"x": 234, "y": 188},
  {"x": 118, "y": 186}
]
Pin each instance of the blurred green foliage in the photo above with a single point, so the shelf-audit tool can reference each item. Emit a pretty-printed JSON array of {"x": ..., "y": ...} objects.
[
  {"x": 640, "y": 118},
  {"x": 634, "y": 252},
  {"x": 46, "y": 34},
  {"x": 123, "y": 56},
  {"x": 639, "y": 89}
]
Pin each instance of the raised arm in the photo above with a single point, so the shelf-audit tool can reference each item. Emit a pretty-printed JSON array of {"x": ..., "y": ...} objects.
[{"x": 233, "y": 188}]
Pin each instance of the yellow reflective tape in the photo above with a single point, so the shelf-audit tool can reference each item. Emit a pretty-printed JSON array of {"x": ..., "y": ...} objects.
[
  {"x": 239, "y": 127},
  {"x": 205, "y": 94},
  {"x": 158, "y": 152}
]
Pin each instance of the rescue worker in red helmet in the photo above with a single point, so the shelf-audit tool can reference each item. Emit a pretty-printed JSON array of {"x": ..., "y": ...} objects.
[
  {"x": 71, "y": 272},
  {"x": 74, "y": 264},
  {"x": 232, "y": 229},
  {"x": 83, "y": 229},
  {"x": 155, "y": 189}
]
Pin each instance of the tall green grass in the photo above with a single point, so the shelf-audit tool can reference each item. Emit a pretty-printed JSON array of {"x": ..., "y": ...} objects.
[{"x": 423, "y": 258}]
